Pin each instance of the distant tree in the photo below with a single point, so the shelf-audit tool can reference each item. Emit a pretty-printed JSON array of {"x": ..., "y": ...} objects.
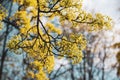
[{"x": 117, "y": 45}]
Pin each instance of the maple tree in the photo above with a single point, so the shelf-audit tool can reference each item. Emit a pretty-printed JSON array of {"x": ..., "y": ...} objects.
[
  {"x": 41, "y": 40},
  {"x": 117, "y": 45}
]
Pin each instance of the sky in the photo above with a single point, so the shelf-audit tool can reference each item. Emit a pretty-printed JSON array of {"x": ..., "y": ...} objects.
[{"x": 108, "y": 7}]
